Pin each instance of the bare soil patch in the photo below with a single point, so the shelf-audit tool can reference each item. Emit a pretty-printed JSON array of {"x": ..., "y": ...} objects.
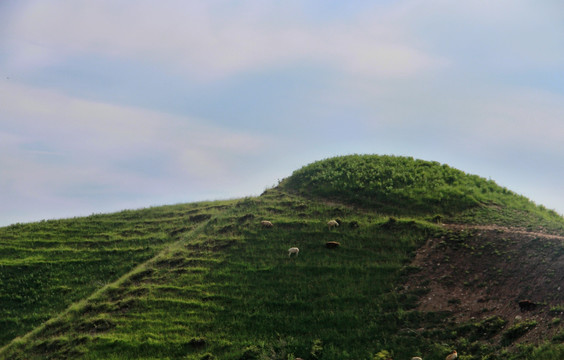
[{"x": 476, "y": 272}]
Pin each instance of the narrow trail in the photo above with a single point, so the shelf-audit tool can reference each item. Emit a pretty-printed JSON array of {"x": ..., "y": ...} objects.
[
  {"x": 458, "y": 227},
  {"x": 505, "y": 229}
]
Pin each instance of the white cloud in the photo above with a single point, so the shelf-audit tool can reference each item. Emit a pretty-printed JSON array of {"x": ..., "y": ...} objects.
[
  {"x": 201, "y": 39},
  {"x": 525, "y": 118},
  {"x": 426, "y": 78},
  {"x": 504, "y": 34},
  {"x": 493, "y": 116},
  {"x": 66, "y": 149}
]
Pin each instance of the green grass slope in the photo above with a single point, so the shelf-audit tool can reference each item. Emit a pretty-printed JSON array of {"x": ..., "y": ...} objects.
[
  {"x": 46, "y": 266},
  {"x": 228, "y": 289},
  {"x": 207, "y": 281}
]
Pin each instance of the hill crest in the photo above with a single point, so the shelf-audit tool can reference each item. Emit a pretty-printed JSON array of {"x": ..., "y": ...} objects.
[{"x": 404, "y": 186}]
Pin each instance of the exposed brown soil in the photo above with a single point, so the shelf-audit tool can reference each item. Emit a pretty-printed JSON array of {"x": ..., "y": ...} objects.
[{"x": 476, "y": 272}]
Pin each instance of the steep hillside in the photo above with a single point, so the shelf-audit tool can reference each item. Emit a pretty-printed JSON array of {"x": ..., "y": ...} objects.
[{"x": 430, "y": 260}]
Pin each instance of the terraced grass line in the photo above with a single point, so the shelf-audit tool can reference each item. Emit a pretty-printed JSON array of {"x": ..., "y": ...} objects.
[
  {"x": 46, "y": 266},
  {"x": 229, "y": 289},
  {"x": 80, "y": 306}
]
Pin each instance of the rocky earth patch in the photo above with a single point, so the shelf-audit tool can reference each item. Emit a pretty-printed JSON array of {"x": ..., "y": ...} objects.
[{"x": 478, "y": 273}]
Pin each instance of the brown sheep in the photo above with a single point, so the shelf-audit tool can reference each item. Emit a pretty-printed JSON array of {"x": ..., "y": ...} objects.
[
  {"x": 332, "y": 244},
  {"x": 453, "y": 355},
  {"x": 527, "y": 305}
]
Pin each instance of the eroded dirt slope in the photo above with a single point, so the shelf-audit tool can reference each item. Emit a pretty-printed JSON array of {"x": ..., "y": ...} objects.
[{"x": 475, "y": 273}]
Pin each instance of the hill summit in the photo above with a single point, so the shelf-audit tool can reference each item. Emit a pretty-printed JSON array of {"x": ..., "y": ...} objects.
[
  {"x": 406, "y": 186},
  {"x": 400, "y": 184}
]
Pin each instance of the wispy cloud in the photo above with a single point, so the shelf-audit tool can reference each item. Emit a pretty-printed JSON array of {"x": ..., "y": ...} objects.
[
  {"x": 107, "y": 101},
  {"x": 52, "y": 143},
  {"x": 212, "y": 39}
]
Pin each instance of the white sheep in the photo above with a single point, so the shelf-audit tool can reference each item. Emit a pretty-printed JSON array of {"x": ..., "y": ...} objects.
[
  {"x": 416, "y": 358},
  {"x": 293, "y": 250},
  {"x": 332, "y": 223},
  {"x": 266, "y": 224}
]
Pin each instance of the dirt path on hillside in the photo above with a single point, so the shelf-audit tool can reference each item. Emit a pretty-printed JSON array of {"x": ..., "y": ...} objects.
[{"x": 505, "y": 229}]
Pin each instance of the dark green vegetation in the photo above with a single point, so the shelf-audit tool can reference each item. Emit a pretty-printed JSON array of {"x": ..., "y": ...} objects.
[
  {"x": 207, "y": 281},
  {"x": 404, "y": 186}
]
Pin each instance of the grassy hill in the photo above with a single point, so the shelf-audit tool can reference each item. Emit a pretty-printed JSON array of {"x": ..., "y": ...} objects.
[
  {"x": 207, "y": 281},
  {"x": 404, "y": 186}
]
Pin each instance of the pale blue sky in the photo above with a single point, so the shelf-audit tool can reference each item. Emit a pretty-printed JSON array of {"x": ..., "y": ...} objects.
[{"x": 107, "y": 105}]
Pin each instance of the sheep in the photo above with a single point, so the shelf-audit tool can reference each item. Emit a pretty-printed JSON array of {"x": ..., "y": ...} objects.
[
  {"x": 453, "y": 355},
  {"x": 293, "y": 250},
  {"x": 416, "y": 358},
  {"x": 266, "y": 224},
  {"x": 332, "y": 244},
  {"x": 332, "y": 223}
]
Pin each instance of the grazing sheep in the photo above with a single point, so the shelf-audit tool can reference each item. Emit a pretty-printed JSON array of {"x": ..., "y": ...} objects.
[
  {"x": 416, "y": 358},
  {"x": 332, "y": 223},
  {"x": 266, "y": 224},
  {"x": 293, "y": 250},
  {"x": 453, "y": 355},
  {"x": 332, "y": 244}
]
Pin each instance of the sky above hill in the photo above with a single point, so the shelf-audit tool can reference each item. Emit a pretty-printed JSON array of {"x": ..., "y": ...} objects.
[{"x": 108, "y": 105}]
